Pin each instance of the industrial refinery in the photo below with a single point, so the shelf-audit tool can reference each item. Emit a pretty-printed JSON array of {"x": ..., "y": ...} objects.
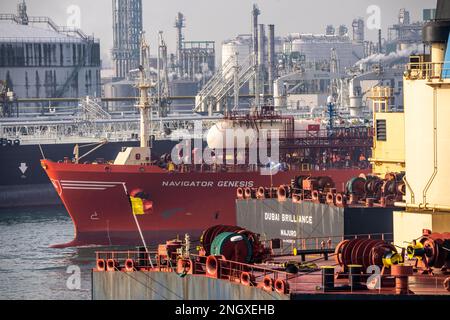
[
  {"x": 273, "y": 159},
  {"x": 40, "y": 59}
]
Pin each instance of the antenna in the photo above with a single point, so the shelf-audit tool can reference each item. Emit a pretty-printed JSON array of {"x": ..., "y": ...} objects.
[{"x": 144, "y": 86}]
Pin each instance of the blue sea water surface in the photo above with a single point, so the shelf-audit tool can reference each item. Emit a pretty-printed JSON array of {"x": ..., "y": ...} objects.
[{"x": 30, "y": 268}]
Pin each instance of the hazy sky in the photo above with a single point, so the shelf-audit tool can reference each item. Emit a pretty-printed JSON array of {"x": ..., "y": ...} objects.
[{"x": 222, "y": 19}]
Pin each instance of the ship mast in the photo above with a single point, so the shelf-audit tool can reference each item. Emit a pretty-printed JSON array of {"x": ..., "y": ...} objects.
[{"x": 144, "y": 102}]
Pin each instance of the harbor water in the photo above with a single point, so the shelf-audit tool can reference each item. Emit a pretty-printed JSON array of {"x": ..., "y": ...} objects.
[{"x": 30, "y": 268}]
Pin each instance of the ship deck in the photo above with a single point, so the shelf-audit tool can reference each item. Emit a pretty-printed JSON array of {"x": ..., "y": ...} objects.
[
  {"x": 310, "y": 282},
  {"x": 307, "y": 284}
]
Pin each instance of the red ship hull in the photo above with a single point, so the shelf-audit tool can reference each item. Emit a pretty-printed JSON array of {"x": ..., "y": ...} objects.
[{"x": 97, "y": 198}]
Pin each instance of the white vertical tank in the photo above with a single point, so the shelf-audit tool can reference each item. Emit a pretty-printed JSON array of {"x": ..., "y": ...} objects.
[{"x": 241, "y": 45}]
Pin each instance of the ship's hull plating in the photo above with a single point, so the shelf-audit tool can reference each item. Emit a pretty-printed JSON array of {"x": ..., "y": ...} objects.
[
  {"x": 24, "y": 183},
  {"x": 97, "y": 199}
]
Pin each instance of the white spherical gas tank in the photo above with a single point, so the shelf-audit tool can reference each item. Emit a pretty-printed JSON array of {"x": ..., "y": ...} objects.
[
  {"x": 240, "y": 136},
  {"x": 244, "y": 137}
]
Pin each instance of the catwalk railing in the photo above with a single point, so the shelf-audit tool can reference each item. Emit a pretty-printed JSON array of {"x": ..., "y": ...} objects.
[
  {"x": 431, "y": 71},
  {"x": 313, "y": 277}
]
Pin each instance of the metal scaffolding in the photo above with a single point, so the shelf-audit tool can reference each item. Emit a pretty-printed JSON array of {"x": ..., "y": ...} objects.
[
  {"x": 195, "y": 60},
  {"x": 127, "y": 29},
  {"x": 405, "y": 31},
  {"x": 198, "y": 60},
  {"x": 179, "y": 25}
]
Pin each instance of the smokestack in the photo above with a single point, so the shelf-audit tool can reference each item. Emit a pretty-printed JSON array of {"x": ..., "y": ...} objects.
[
  {"x": 262, "y": 57},
  {"x": 179, "y": 25},
  {"x": 435, "y": 33},
  {"x": 255, "y": 14},
  {"x": 442, "y": 10},
  {"x": 261, "y": 45},
  {"x": 379, "y": 41},
  {"x": 271, "y": 57}
]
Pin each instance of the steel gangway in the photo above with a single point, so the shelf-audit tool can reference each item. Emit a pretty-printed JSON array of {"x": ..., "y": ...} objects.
[
  {"x": 224, "y": 81},
  {"x": 91, "y": 110}
]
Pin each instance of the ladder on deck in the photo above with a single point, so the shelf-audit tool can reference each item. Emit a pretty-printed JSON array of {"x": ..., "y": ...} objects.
[{"x": 223, "y": 81}]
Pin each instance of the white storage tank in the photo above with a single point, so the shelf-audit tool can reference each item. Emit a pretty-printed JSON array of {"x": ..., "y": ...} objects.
[
  {"x": 318, "y": 48},
  {"x": 241, "y": 45},
  {"x": 39, "y": 61},
  {"x": 247, "y": 137}
]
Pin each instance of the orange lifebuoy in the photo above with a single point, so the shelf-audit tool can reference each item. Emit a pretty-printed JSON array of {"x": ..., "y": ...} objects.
[
  {"x": 247, "y": 279},
  {"x": 267, "y": 283},
  {"x": 101, "y": 265},
  {"x": 111, "y": 265},
  {"x": 281, "y": 286},
  {"x": 129, "y": 265}
]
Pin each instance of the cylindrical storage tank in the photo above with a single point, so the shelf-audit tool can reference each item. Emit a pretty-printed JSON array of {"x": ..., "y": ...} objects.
[
  {"x": 183, "y": 88},
  {"x": 121, "y": 89},
  {"x": 244, "y": 137},
  {"x": 279, "y": 96},
  {"x": 317, "y": 47},
  {"x": 37, "y": 62},
  {"x": 242, "y": 46},
  {"x": 355, "y": 96}
]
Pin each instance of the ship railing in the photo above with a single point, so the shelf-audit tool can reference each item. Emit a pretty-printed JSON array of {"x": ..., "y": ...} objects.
[
  {"x": 370, "y": 281},
  {"x": 140, "y": 258},
  {"x": 266, "y": 113},
  {"x": 431, "y": 71},
  {"x": 60, "y": 130},
  {"x": 309, "y": 278},
  {"x": 291, "y": 164},
  {"x": 41, "y": 39},
  {"x": 340, "y": 136},
  {"x": 291, "y": 245},
  {"x": 232, "y": 270}
]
